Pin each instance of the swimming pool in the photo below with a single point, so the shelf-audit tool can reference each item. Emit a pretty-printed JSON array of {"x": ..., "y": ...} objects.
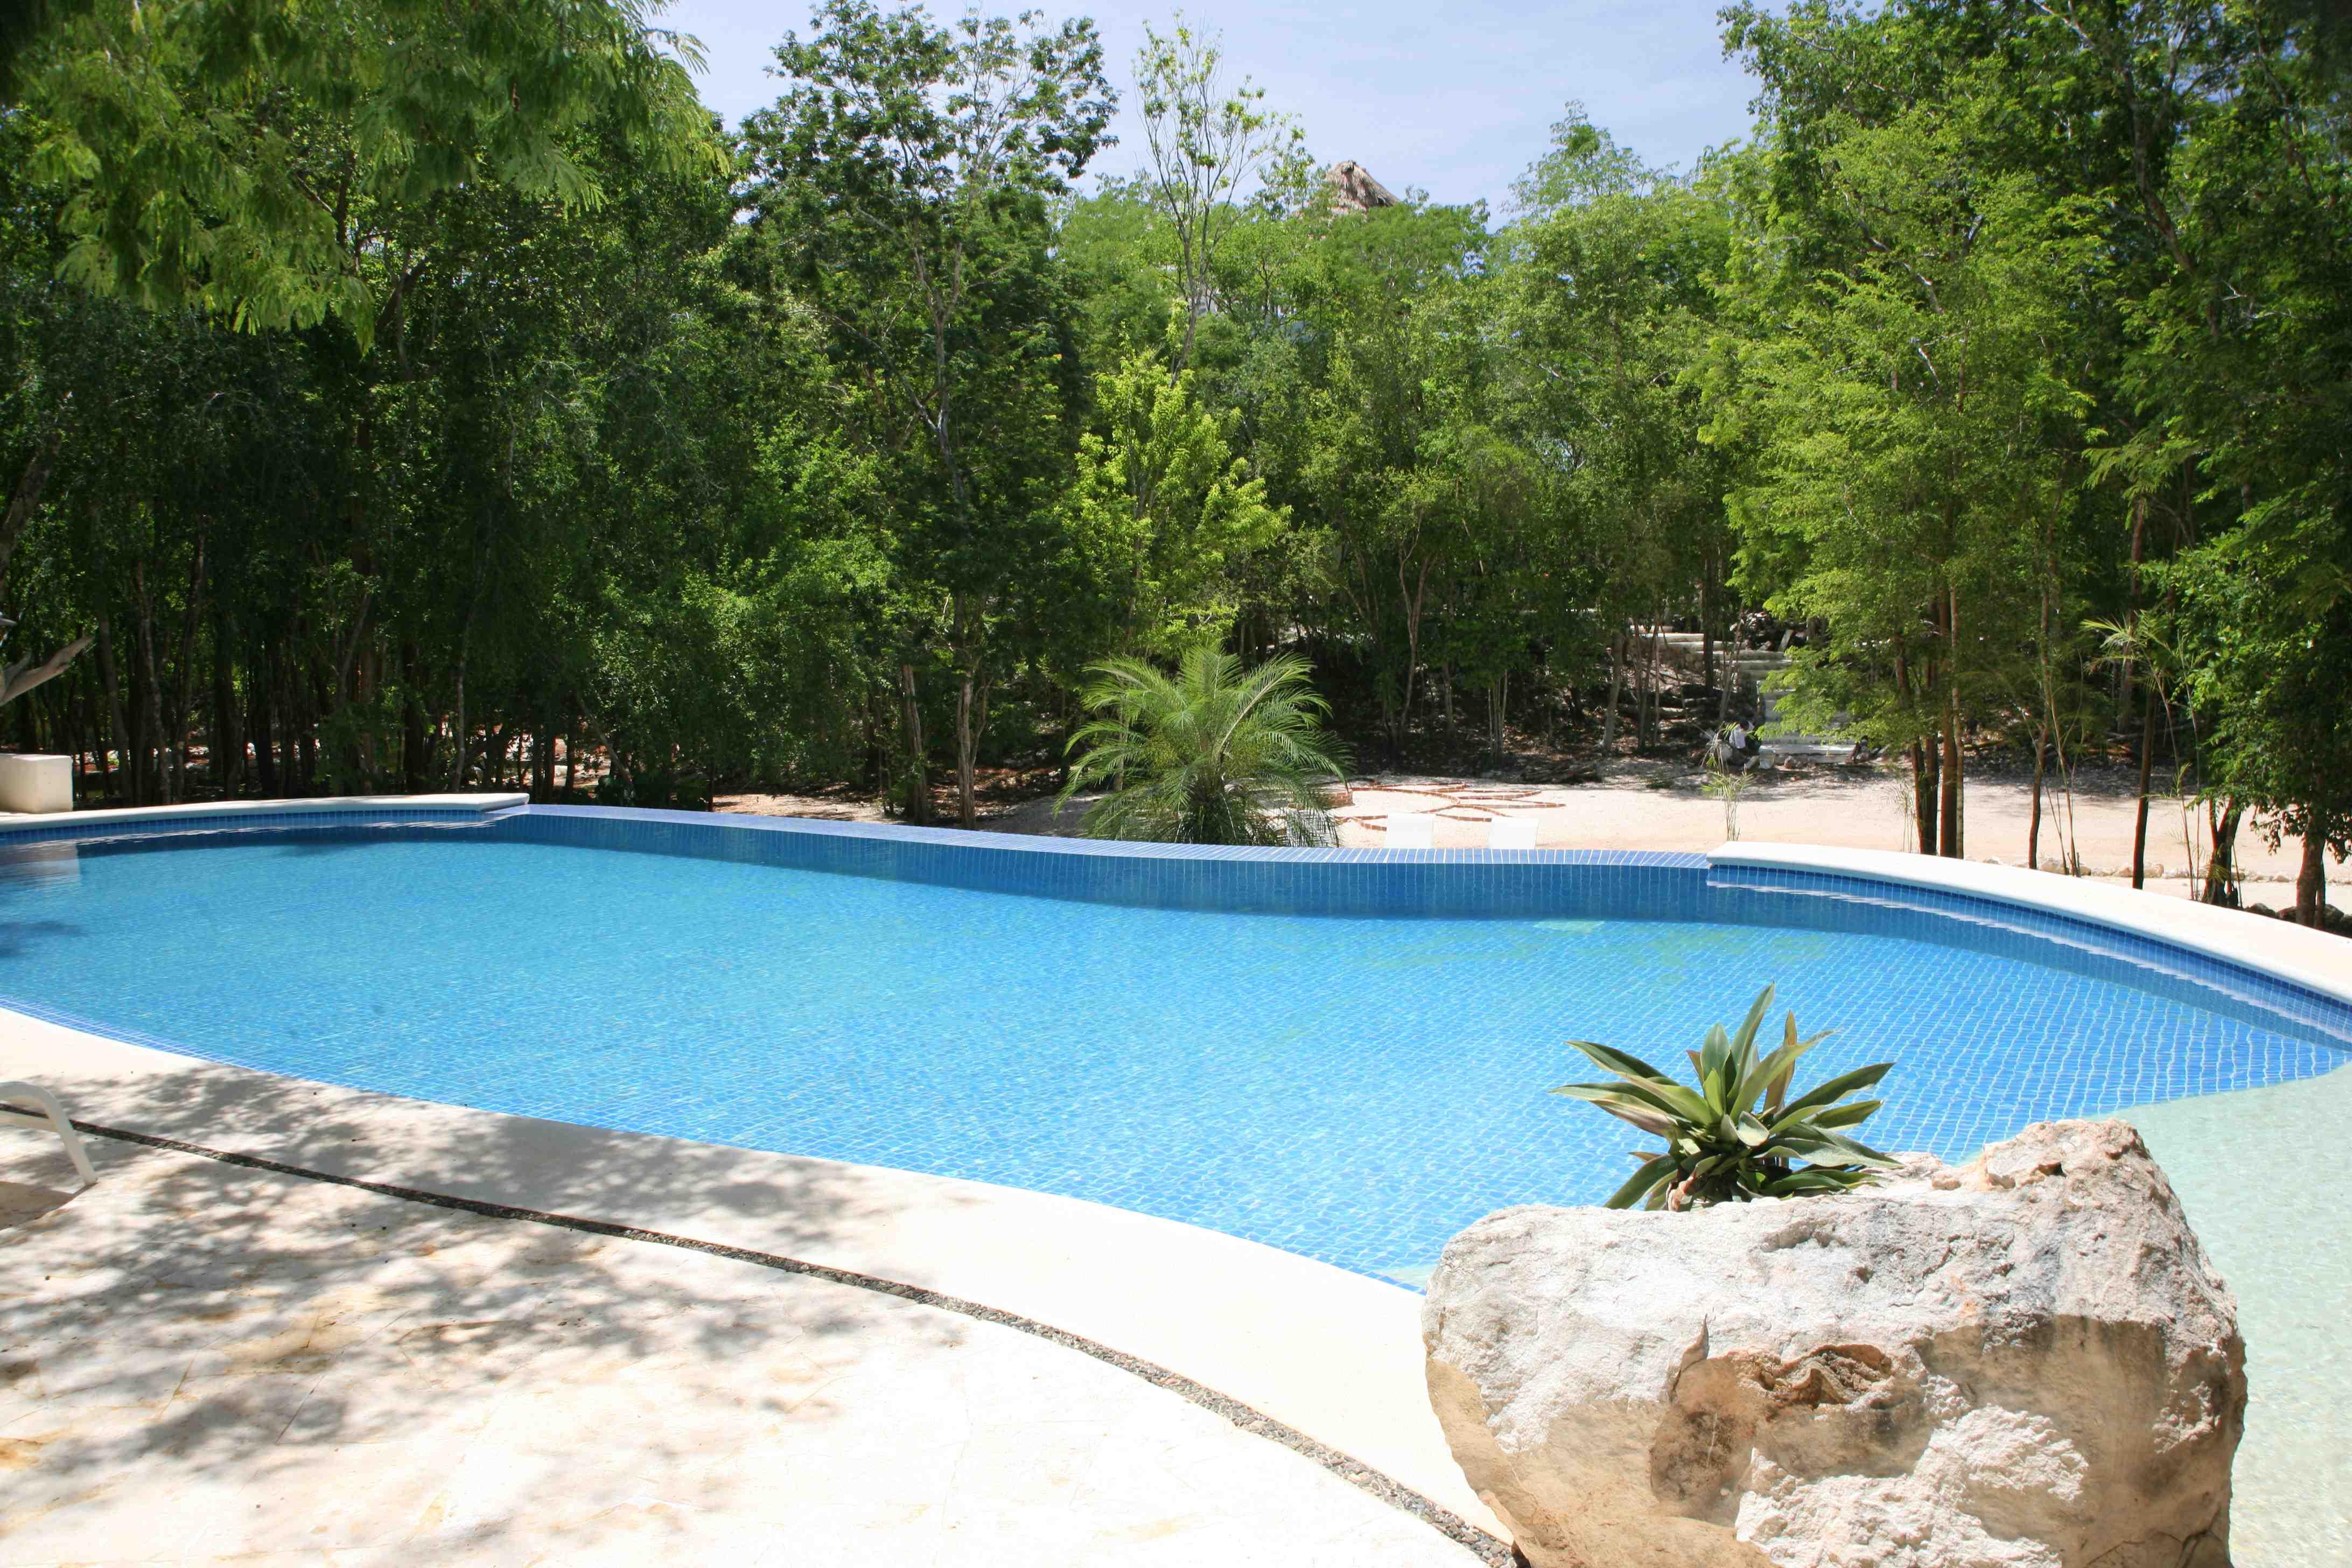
[{"x": 1345, "y": 1054}]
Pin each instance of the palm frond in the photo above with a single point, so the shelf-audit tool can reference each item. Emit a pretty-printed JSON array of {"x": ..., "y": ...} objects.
[{"x": 1209, "y": 753}]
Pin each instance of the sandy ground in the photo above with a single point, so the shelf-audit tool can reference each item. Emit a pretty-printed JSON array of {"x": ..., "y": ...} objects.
[
  {"x": 831, "y": 807},
  {"x": 1657, "y": 806}
]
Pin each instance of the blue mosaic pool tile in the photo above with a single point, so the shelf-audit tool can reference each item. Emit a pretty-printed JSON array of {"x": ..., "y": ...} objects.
[{"x": 1353, "y": 1071}]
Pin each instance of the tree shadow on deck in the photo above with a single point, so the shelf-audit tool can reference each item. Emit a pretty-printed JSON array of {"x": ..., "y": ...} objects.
[{"x": 190, "y": 1339}]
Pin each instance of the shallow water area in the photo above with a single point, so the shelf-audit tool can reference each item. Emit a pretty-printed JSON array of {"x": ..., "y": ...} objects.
[{"x": 1353, "y": 1089}]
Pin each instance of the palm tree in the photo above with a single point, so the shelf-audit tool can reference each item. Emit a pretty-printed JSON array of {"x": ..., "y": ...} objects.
[{"x": 1211, "y": 754}]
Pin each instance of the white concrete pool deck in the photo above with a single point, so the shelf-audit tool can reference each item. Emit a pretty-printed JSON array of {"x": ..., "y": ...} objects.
[{"x": 175, "y": 1267}]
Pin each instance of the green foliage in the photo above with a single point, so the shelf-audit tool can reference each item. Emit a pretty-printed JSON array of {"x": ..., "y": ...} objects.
[
  {"x": 274, "y": 161},
  {"x": 1211, "y": 754},
  {"x": 1205, "y": 143},
  {"x": 1162, "y": 513},
  {"x": 1612, "y": 292},
  {"x": 412, "y": 394},
  {"x": 902, "y": 190},
  {"x": 1736, "y": 1136},
  {"x": 1727, "y": 781},
  {"x": 1910, "y": 416},
  {"x": 2171, "y": 179}
]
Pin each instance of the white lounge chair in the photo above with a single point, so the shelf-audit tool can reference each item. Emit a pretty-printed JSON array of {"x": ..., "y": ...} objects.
[
  {"x": 1511, "y": 833},
  {"x": 1411, "y": 830},
  {"x": 51, "y": 1115}
]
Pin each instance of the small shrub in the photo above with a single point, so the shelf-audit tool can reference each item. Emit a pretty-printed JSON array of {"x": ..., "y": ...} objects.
[
  {"x": 1736, "y": 1135},
  {"x": 1212, "y": 753},
  {"x": 1727, "y": 782}
]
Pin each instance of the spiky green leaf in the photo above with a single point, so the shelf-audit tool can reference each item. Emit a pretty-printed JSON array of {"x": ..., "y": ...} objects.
[
  {"x": 1832, "y": 1091},
  {"x": 1743, "y": 1045},
  {"x": 1624, "y": 1064},
  {"x": 1642, "y": 1181}
]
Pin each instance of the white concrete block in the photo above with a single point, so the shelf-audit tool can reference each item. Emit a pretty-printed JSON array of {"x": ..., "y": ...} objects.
[
  {"x": 30, "y": 782},
  {"x": 1411, "y": 830},
  {"x": 1511, "y": 833}
]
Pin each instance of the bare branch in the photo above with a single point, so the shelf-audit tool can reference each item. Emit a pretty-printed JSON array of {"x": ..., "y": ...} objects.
[{"x": 22, "y": 677}]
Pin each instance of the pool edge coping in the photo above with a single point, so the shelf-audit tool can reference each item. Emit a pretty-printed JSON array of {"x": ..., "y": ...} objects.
[
  {"x": 26, "y": 825},
  {"x": 2314, "y": 959}
]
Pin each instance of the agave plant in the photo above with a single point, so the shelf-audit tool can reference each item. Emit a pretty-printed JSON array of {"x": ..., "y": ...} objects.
[{"x": 1736, "y": 1135}]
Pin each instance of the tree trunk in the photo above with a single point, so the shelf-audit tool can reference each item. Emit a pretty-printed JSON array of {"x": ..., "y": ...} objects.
[
  {"x": 2222, "y": 869},
  {"x": 102, "y": 746},
  {"x": 1926, "y": 764},
  {"x": 324, "y": 705},
  {"x": 971, "y": 718},
  {"x": 1707, "y": 624},
  {"x": 26, "y": 497},
  {"x": 1727, "y": 677},
  {"x": 411, "y": 720},
  {"x": 1616, "y": 691},
  {"x": 1411, "y": 600},
  {"x": 1951, "y": 841},
  {"x": 184, "y": 677},
  {"x": 1645, "y": 689},
  {"x": 227, "y": 733},
  {"x": 1645, "y": 736},
  {"x": 2034, "y": 824},
  {"x": 105, "y": 749},
  {"x": 877, "y": 771},
  {"x": 918, "y": 778},
  {"x": 302, "y": 711},
  {"x": 2146, "y": 764},
  {"x": 110, "y": 677},
  {"x": 261, "y": 719},
  {"x": 2311, "y": 881},
  {"x": 457, "y": 725},
  {"x": 2123, "y": 666},
  {"x": 156, "y": 739}
]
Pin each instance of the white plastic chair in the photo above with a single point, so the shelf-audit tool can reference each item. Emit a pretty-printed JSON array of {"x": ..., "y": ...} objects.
[
  {"x": 1511, "y": 833},
  {"x": 52, "y": 1116},
  {"x": 1412, "y": 830}
]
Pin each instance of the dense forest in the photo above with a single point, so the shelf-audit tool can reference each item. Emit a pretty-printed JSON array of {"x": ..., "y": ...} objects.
[{"x": 395, "y": 397}]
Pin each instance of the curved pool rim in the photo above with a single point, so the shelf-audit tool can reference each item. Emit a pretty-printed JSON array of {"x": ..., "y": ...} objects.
[
  {"x": 2223, "y": 955},
  {"x": 2246, "y": 971}
]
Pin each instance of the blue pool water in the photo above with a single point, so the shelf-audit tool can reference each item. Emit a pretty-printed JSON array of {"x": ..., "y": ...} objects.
[{"x": 1354, "y": 1088}]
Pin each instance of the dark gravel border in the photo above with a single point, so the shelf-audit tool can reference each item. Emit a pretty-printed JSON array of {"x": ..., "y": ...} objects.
[{"x": 1488, "y": 1549}]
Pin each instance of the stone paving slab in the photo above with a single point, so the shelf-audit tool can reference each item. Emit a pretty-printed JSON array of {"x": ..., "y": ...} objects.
[{"x": 200, "y": 1363}]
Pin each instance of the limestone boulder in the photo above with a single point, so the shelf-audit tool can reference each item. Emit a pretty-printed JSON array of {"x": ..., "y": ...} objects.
[
  {"x": 1353, "y": 189},
  {"x": 2025, "y": 1361}
]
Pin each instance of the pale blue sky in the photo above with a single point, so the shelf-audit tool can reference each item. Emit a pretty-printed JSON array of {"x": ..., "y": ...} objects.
[{"x": 1454, "y": 98}]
